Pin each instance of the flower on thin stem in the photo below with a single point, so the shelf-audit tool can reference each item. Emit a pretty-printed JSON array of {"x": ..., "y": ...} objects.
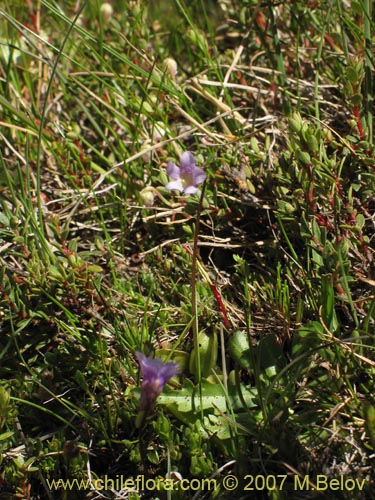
[
  {"x": 187, "y": 177},
  {"x": 155, "y": 375}
]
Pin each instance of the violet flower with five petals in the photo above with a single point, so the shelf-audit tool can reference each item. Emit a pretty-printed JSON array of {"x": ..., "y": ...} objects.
[
  {"x": 187, "y": 177},
  {"x": 155, "y": 375}
]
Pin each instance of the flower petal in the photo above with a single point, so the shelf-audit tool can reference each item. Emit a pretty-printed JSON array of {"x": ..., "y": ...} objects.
[
  {"x": 168, "y": 371},
  {"x": 173, "y": 170},
  {"x": 175, "y": 185},
  {"x": 153, "y": 369},
  {"x": 190, "y": 190},
  {"x": 149, "y": 366},
  {"x": 187, "y": 160},
  {"x": 199, "y": 175}
]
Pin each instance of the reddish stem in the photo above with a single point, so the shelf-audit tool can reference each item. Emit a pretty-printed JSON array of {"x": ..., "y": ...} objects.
[
  {"x": 359, "y": 124},
  {"x": 221, "y": 306}
]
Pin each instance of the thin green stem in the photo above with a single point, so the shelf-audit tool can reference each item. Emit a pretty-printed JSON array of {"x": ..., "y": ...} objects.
[
  {"x": 194, "y": 304},
  {"x": 368, "y": 83}
]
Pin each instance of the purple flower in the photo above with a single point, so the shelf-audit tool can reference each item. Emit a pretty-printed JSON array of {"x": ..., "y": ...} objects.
[
  {"x": 155, "y": 375},
  {"x": 187, "y": 177}
]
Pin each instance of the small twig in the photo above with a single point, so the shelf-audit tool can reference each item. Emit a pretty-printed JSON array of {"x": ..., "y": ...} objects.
[{"x": 194, "y": 304}]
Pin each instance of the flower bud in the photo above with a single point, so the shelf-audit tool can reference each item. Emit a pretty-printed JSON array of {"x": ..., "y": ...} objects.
[
  {"x": 147, "y": 197},
  {"x": 303, "y": 156},
  {"x": 295, "y": 123},
  {"x": 106, "y": 10},
  {"x": 312, "y": 143},
  {"x": 170, "y": 67}
]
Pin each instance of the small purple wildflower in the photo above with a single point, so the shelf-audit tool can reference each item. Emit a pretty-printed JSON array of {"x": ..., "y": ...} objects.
[
  {"x": 187, "y": 177},
  {"x": 155, "y": 375}
]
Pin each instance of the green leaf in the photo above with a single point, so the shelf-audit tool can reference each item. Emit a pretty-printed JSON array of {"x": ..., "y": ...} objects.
[
  {"x": 308, "y": 337},
  {"x": 239, "y": 349},
  {"x": 352, "y": 74},
  {"x": 303, "y": 156},
  {"x": 6, "y": 435},
  {"x": 188, "y": 400},
  {"x": 4, "y": 220},
  {"x": 369, "y": 414},
  {"x": 93, "y": 268},
  {"x": 208, "y": 349},
  {"x": 177, "y": 356},
  {"x": 327, "y": 299}
]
